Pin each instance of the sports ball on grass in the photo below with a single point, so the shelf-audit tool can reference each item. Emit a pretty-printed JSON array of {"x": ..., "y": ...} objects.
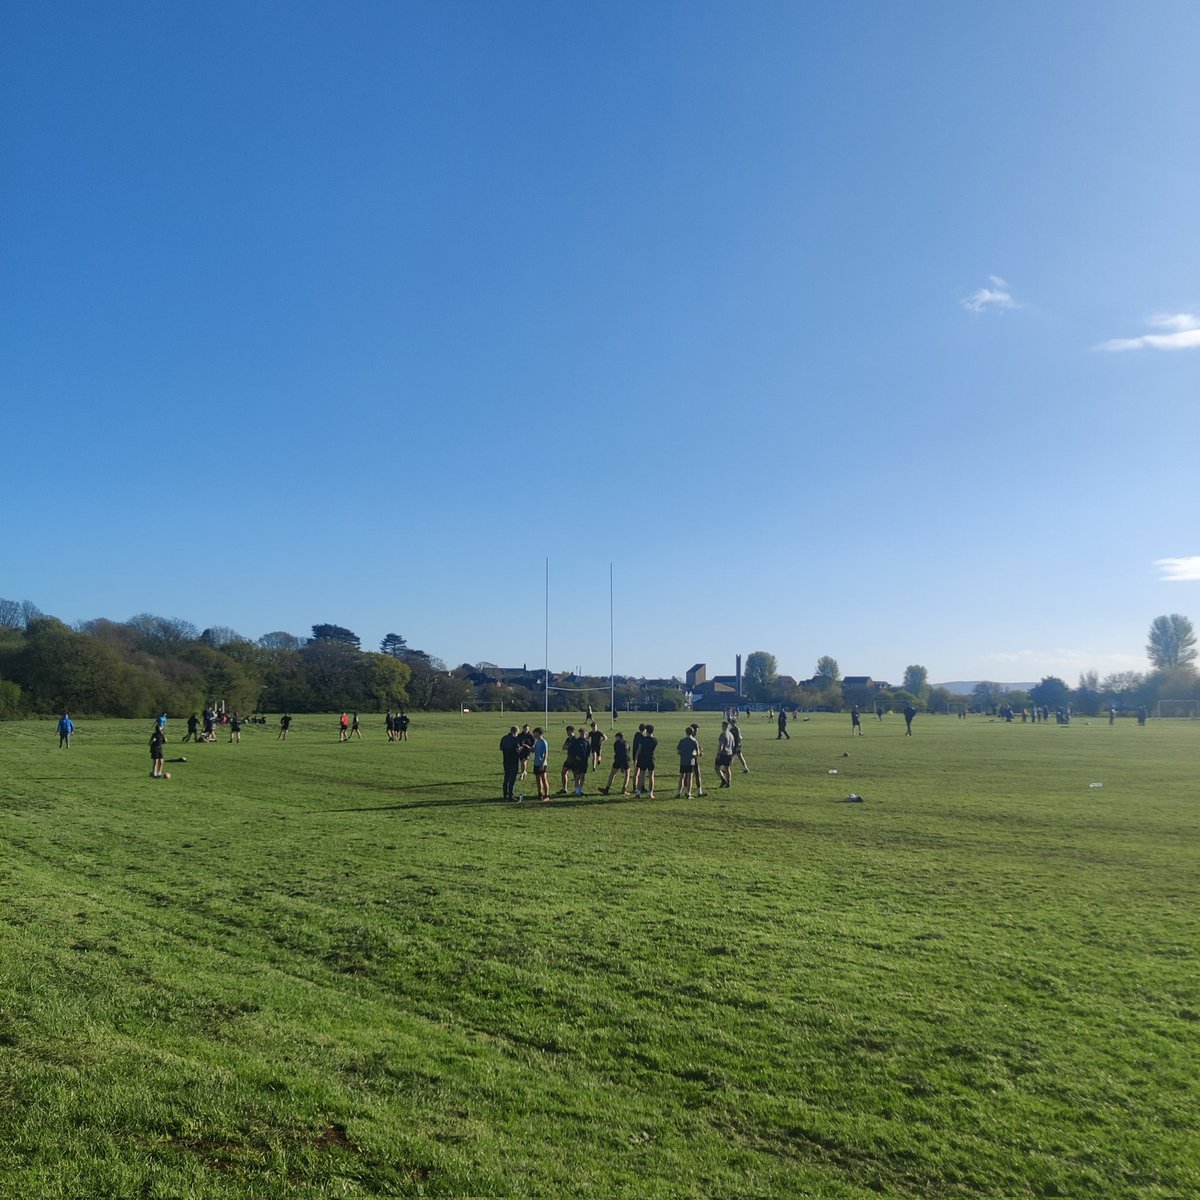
[{"x": 166, "y": 774}]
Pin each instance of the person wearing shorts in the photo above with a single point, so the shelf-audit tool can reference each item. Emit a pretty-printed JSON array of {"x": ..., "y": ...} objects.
[
  {"x": 688, "y": 749},
  {"x": 644, "y": 779},
  {"x": 566, "y": 767},
  {"x": 736, "y": 730},
  {"x": 541, "y": 757},
  {"x": 724, "y": 755},
  {"x": 694, "y": 730},
  {"x": 285, "y": 723},
  {"x": 620, "y": 762},
  {"x": 597, "y": 739},
  {"x": 158, "y": 740},
  {"x": 579, "y": 754},
  {"x": 526, "y": 738}
]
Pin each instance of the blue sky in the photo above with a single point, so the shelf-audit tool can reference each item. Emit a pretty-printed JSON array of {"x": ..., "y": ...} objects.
[{"x": 867, "y": 329}]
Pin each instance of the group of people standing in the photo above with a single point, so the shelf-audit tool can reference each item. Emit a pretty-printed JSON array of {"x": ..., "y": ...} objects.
[{"x": 583, "y": 750}]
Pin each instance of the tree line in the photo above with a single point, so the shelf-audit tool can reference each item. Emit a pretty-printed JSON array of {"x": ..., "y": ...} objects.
[
  {"x": 150, "y": 664},
  {"x": 1170, "y": 646}
]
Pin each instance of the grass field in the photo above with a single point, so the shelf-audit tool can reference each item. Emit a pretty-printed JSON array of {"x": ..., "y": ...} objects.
[{"x": 307, "y": 969}]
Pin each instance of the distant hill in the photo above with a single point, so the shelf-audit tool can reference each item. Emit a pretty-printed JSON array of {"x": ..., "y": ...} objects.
[{"x": 964, "y": 687}]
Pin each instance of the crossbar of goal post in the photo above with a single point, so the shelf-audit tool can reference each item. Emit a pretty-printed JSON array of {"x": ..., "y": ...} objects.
[{"x": 612, "y": 678}]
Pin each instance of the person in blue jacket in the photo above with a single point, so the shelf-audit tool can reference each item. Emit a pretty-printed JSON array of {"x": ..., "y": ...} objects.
[{"x": 65, "y": 729}]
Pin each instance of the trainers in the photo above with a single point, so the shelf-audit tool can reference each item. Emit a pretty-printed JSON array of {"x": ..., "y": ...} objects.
[
  {"x": 650, "y": 795},
  {"x": 701, "y": 792}
]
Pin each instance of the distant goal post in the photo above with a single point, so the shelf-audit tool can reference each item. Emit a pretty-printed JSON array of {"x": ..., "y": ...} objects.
[{"x": 1178, "y": 708}]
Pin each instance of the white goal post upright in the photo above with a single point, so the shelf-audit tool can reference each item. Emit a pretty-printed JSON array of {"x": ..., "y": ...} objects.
[{"x": 612, "y": 678}]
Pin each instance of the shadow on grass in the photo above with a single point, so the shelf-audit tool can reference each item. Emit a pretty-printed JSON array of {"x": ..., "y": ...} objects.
[{"x": 528, "y": 803}]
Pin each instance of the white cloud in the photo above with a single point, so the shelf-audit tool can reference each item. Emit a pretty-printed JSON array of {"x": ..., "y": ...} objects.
[
  {"x": 1183, "y": 333},
  {"x": 1066, "y": 664},
  {"x": 1174, "y": 569},
  {"x": 995, "y": 296}
]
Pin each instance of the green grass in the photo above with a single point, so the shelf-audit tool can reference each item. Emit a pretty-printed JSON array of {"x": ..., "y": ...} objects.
[{"x": 307, "y": 969}]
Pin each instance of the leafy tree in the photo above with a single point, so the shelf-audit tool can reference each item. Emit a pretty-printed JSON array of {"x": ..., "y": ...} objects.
[
  {"x": 759, "y": 675},
  {"x": 117, "y": 633},
  {"x": 1175, "y": 683},
  {"x": 220, "y": 635},
  {"x": 394, "y": 645},
  {"x": 1121, "y": 684},
  {"x": 940, "y": 700},
  {"x": 985, "y": 696},
  {"x": 1086, "y": 697},
  {"x": 10, "y": 613},
  {"x": 161, "y": 635},
  {"x": 1172, "y": 642},
  {"x": 59, "y": 669},
  {"x": 916, "y": 680},
  {"x": 1052, "y": 692},
  {"x": 433, "y": 687},
  {"x": 285, "y": 684},
  {"x": 389, "y": 681},
  {"x": 338, "y": 674},
  {"x": 336, "y": 633},
  {"x": 12, "y": 702},
  {"x": 280, "y": 640},
  {"x": 827, "y": 670}
]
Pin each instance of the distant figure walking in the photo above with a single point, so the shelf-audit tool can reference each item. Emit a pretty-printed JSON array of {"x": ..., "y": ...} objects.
[
  {"x": 782, "y": 726},
  {"x": 909, "y": 713},
  {"x": 855, "y": 721},
  {"x": 343, "y": 728},
  {"x": 285, "y": 723},
  {"x": 65, "y": 728}
]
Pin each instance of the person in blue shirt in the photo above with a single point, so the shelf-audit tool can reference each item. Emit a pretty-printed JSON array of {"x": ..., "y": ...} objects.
[
  {"x": 65, "y": 729},
  {"x": 541, "y": 752}
]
